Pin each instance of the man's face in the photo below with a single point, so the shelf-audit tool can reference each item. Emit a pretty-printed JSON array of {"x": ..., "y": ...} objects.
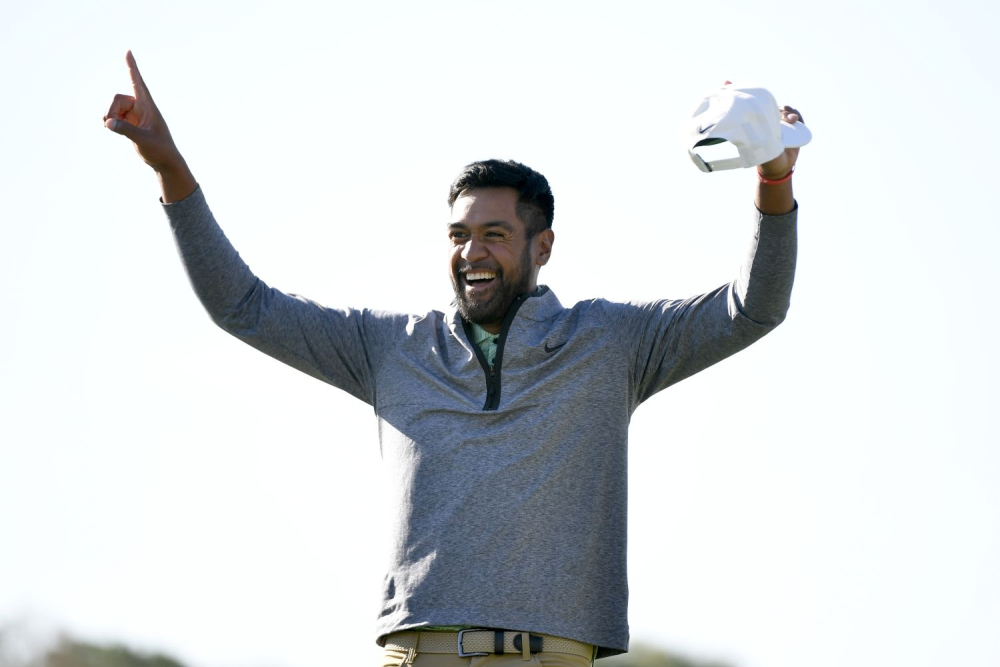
[{"x": 492, "y": 259}]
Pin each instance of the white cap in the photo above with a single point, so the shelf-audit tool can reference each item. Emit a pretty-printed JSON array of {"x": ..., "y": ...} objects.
[{"x": 749, "y": 119}]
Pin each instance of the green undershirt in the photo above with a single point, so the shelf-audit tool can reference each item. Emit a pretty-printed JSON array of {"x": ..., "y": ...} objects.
[{"x": 486, "y": 341}]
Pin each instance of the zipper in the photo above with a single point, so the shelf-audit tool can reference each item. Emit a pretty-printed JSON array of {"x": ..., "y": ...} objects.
[{"x": 493, "y": 372}]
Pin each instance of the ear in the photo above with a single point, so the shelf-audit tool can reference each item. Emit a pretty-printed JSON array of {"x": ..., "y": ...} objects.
[{"x": 543, "y": 246}]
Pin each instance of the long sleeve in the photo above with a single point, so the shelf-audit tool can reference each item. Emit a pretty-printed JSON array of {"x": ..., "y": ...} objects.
[
  {"x": 669, "y": 340},
  {"x": 340, "y": 346}
]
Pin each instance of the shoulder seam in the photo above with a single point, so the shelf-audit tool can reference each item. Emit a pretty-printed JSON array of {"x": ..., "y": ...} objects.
[
  {"x": 607, "y": 323},
  {"x": 396, "y": 342}
]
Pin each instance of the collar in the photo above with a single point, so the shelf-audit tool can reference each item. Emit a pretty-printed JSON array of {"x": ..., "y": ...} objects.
[
  {"x": 480, "y": 334},
  {"x": 540, "y": 306}
]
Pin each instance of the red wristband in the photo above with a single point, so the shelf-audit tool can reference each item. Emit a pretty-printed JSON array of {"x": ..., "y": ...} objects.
[{"x": 775, "y": 181}]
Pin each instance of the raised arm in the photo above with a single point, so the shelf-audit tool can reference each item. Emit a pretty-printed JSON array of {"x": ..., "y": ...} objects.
[
  {"x": 136, "y": 117},
  {"x": 671, "y": 340},
  {"x": 340, "y": 346},
  {"x": 775, "y": 197}
]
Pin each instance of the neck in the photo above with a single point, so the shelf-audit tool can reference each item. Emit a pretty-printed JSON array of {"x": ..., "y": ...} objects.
[{"x": 492, "y": 327}]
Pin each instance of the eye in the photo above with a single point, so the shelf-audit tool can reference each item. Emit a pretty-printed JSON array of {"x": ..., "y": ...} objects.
[{"x": 457, "y": 236}]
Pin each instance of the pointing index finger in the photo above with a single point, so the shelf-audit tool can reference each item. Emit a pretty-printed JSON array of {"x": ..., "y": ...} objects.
[{"x": 138, "y": 85}]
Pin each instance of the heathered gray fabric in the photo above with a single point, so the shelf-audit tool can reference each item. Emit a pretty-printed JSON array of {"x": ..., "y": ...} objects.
[{"x": 511, "y": 518}]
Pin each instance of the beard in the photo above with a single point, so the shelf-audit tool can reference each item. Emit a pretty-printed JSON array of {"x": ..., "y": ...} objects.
[{"x": 494, "y": 307}]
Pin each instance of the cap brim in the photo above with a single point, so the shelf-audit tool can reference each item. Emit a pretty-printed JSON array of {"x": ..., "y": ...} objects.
[{"x": 794, "y": 136}]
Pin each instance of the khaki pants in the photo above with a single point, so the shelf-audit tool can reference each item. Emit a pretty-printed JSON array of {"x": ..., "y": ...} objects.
[{"x": 399, "y": 659}]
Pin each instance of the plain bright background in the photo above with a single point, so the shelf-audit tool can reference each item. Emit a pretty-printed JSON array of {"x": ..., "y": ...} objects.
[{"x": 828, "y": 497}]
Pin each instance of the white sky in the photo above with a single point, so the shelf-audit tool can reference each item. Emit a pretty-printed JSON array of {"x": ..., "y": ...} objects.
[{"x": 827, "y": 497}]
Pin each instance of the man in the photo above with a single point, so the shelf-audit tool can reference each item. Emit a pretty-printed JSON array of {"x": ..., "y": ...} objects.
[{"x": 503, "y": 422}]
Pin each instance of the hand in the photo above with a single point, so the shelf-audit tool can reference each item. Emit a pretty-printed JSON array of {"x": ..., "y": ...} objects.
[
  {"x": 781, "y": 165},
  {"x": 137, "y": 117}
]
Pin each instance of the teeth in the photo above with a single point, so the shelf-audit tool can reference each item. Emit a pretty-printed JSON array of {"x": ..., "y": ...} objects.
[{"x": 480, "y": 275}]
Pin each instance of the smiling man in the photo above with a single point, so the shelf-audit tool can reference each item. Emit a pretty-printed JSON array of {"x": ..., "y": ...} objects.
[
  {"x": 504, "y": 420},
  {"x": 500, "y": 235}
]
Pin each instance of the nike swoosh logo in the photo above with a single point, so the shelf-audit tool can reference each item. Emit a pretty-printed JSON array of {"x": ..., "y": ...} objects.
[
  {"x": 703, "y": 130},
  {"x": 552, "y": 349}
]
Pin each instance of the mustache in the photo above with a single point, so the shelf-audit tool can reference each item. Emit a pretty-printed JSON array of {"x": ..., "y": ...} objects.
[{"x": 479, "y": 267}]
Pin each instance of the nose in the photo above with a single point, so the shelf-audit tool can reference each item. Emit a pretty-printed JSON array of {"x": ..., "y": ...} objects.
[{"x": 473, "y": 251}]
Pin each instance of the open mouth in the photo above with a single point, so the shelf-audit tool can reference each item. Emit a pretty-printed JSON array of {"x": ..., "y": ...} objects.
[{"x": 477, "y": 280}]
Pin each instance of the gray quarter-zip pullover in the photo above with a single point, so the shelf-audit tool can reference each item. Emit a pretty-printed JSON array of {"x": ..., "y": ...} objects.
[{"x": 510, "y": 484}]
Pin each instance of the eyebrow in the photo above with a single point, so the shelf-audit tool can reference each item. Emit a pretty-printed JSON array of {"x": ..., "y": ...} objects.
[{"x": 493, "y": 223}]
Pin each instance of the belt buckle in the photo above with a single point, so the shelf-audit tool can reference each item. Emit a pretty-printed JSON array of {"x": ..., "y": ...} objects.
[{"x": 461, "y": 651}]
